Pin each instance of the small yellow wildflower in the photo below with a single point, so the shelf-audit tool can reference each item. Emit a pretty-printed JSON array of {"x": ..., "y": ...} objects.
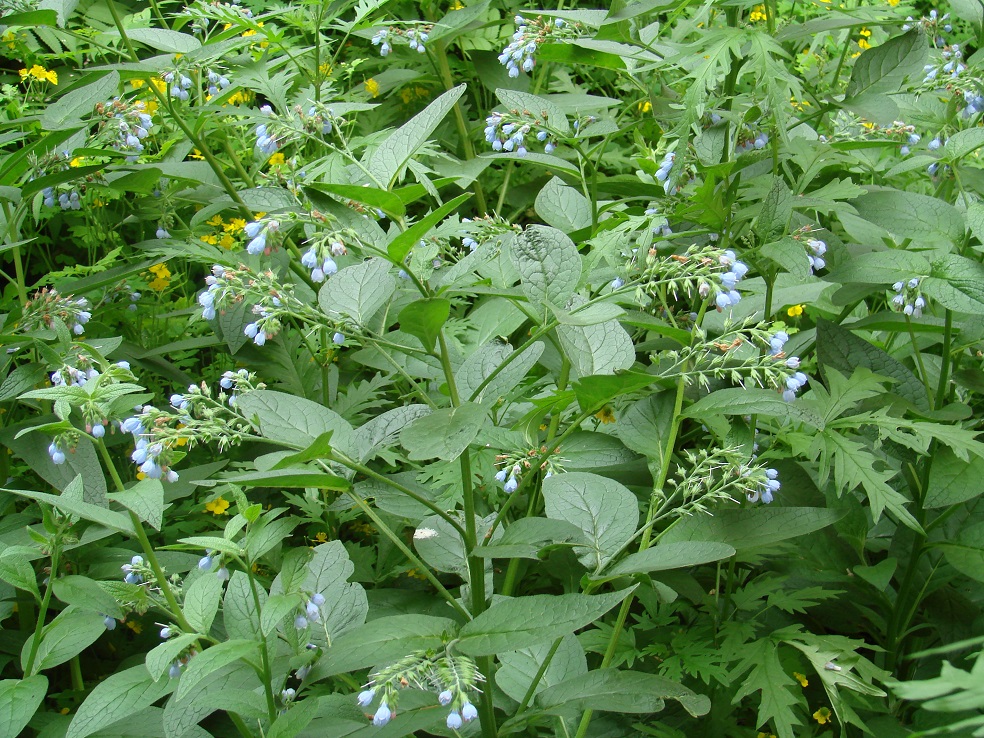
[
  {"x": 235, "y": 225},
  {"x": 758, "y": 14},
  {"x": 606, "y": 415},
  {"x": 40, "y": 74},
  {"x": 211, "y": 239},
  {"x": 321, "y": 536},
  {"x": 795, "y": 311},
  {"x": 215, "y": 220},
  {"x": 457, "y": 5},
  {"x": 372, "y": 87},
  {"x": 325, "y": 70},
  {"x": 64, "y": 711},
  {"x": 227, "y": 241},
  {"x": 162, "y": 277},
  {"x": 822, "y": 716},
  {"x": 645, "y": 106},
  {"x": 801, "y": 678},
  {"x": 196, "y": 154},
  {"x": 141, "y": 476},
  {"x": 239, "y": 97},
  {"x": 276, "y": 160},
  {"x": 864, "y": 32},
  {"x": 134, "y": 626},
  {"x": 77, "y": 161},
  {"x": 248, "y": 33},
  {"x": 893, "y": 3},
  {"x": 10, "y": 39},
  {"x": 863, "y": 44},
  {"x": 218, "y": 506}
]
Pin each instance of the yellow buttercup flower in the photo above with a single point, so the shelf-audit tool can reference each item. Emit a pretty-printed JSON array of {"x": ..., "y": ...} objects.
[
  {"x": 863, "y": 44},
  {"x": 218, "y": 506},
  {"x": 321, "y": 536},
  {"x": 758, "y": 14},
  {"x": 77, "y": 161},
  {"x": 40, "y": 74},
  {"x": 645, "y": 106},
  {"x": 456, "y": 5},
  {"x": 795, "y": 311},
  {"x": 325, "y": 70},
  {"x": 162, "y": 277},
  {"x": 239, "y": 97},
  {"x": 606, "y": 415},
  {"x": 822, "y": 716},
  {"x": 864, "y": 32},
  {"x": 215, "y": 220},
  {"x": 801, "y": 678},
  {"x": 372, "y": 87},
  {"x": 227, "y": 241},
  {"x": 210, "y": 239},
  {"x": 276, "y": 160},
  {"x": 235, "y": 225}
]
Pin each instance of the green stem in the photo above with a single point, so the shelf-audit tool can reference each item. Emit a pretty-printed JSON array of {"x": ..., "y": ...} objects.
[
  {"x": 13, "y": 236},
  {"x": 75, "y": 666},
  {"x": 264, "y": 649},
  {"x": 148, "y": 550},
  {"x": 43, "y": 612},
  {"x": 538, "y": 676},
  {"x": 941, "y": 389},
  {"x": 919, "y": 361}
]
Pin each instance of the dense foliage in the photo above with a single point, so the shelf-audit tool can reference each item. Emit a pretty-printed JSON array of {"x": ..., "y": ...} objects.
[{"x": 379, "y": 368}]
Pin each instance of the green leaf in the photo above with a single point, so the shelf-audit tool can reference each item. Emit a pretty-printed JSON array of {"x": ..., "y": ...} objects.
[
  {"x": 562, "y": 206},
  {"x": 594, "y": 391},
  {"x": 275, "y": 611},
  {"x": 953, "y": 480},
  {"x": 320, "y": 448},
  {"x": 541, "y": 107},
  {"x": 603, "y": 509},
  {"x": 549, "y": 266},
  {"x": 752, "y": 401},
  {"x": 789, "y": 254},
  {"x": 31, "y": 18},
  {"x": 781, "y": 694},
  {"x": 400, "y": 246},
  {"x": 883, "y": 68},
  {"x": 160, "y": 658},
  {"x": 239, "y": 613},
  {"x": 444, "y": 434},
  {"x": 201, "y": 602},
  {"x": 85, "y": 593},
  {"x": 580, "y": 53},
  {"x": 667, "y": 556},
  {"x": 882, "y": 267},
  {"x": 161, "y": 39},
  {"x": 971, "y": 11},
  {"x": 292, "y": 478},
  {"x": 618, "y": 690},
  {"x": 346, "y": 605},
  {"x": 644, "y": 425},
  {"x": 358, "y": 291},
  {"x": 393, "y": 154},
  {"x": 962, "y": 143},
  {"x": 388, "y": 202},
  {"x": 425, "y": 318},
  {"x": 842, "y": 350},
  {"x": 924, "y": 219},
  {"x": 603, "y": 348},
  {"x": 521, "y": 622},
  {"x": 382, "y": 431},
  {"x": 590, "y": 450},
  {"x": 16, "y": 569},
  {"x": 480, "y": 365},
  {"x": 518, "y": 668},
  {"x": 588, "y": 314},
  {"x": 751, "y": 527},
  {"x": 122, "y": 694},
  {"x": 966, "y": 554},
  {"x": 109, "y": 518},
  {"x": 214, "y": 543},
  {"x": 19, "y": 700},
  {"x": 211, "y": 660},
  {"x": 527, "y": 537},
  {"x": 72, "y": 107},
  {"x": 777, "y": 208},
  {"x": 956, "y": 283},
  {"x": 382, "y": 640},
  {"x": 291, "y": 420},
  {"x": 145, "y": 499}
]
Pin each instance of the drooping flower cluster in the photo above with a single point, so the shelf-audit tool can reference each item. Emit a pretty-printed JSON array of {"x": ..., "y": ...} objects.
[
  {"x": 454, "y": 679},
  {"x": 311, "y": 611},
  {"x": 485, "y": 229},
  {"x": 273, "y": 302},
  {"x": 208, "y": 561},
  {"x": 908, "y": 298},
  {"x": 216, "y": 82},
  {"x": 767, "y": 488},
  {"x": 259, "y": 232},
  {"x": 709, "y": 272},
  {"x": 818, "y": 249},
  {"x": 512, "y": 465},
  {"x": 753, "y": 143},
  {"x": 47, "y": 307},
  {"x": 521, "y": 51},
  {"x": 794, "y": 382},
  {"x": 126, "y": 124},
  {"x": 512, "y": 132},
  {"x": 710, "y": 476},
  {"x": 66, "y": 200},
  {"x": 137, "y": 571},
  {"x": 416, "y": 35},
  {"x": 178, "y": 85},
  {"x": 663, "y": 173}
]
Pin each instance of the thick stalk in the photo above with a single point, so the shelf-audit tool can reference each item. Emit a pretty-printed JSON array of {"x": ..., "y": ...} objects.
[
  {"x": 264, "y": 649},
  {"x": 42, "y": 613}
]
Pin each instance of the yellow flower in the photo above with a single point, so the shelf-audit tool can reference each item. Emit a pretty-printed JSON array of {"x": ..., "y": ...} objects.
[
  {"x": 606, "y": 415},
  {"x": 218, "y": 506},
  {"x": 795, "y": 311},
  {"x": 211, "y": 239},
  {"x": 372, "y": 87},
  {"x": 758, "y": 14},
  {"x": 240, "y": 97},
  {"x": 325, "y": 69},
  {"x": 863, "y": 44},
  {"x": 766, "y": 735},
  {"x": 250, "y": 32},
  {"x": 40, "y": 74},
  {"x": 215, "y": 220},
  {"x": 864, "y": 32},
  {"x": 276, "y": 160},
  {"x": 801, "y": 678},
  {"x": 196, "y": 154},
  {"x": 645, "y": 106},
  {"x": 321, "y": 536},
  {"x": 893, "y": 3},
  {"x": 235, "y": 225},
  {"x": 134, "y": 626},
  {"x": 227, "y": 241},
  {"x": 141, "y": 476},
  {"x": 77, "y": 161},
  {"x": 822, "y": 716},
  {"x": 162, "y": 277},
  {"x": 457, "y": 5}
]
